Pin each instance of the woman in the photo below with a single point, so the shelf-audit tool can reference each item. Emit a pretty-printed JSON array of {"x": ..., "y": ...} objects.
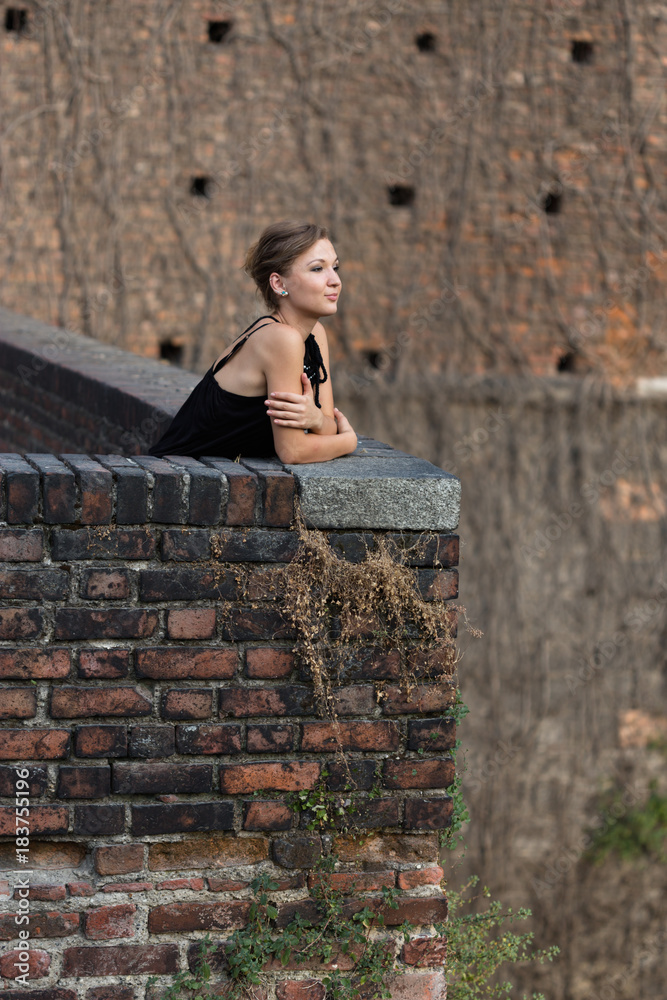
[{"x": 270, "y": 394}]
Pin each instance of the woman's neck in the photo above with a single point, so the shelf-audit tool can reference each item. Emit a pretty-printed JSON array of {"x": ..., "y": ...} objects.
[{"x": 295, "y": 320}]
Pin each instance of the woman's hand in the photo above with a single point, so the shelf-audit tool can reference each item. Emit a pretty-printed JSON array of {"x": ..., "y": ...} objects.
[
  {"x": 291, "y": 410},
  {"x": 342, "y": 421}
]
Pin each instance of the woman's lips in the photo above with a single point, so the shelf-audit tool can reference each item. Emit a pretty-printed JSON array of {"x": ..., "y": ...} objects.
[{"x": 334, "y": 296}]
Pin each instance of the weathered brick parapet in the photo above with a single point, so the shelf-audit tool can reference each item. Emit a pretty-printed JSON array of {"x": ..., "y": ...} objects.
[{"x": 148, "y": 683}]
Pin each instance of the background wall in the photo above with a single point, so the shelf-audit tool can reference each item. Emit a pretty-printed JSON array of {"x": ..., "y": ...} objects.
[{"x": 491, "y": 174}]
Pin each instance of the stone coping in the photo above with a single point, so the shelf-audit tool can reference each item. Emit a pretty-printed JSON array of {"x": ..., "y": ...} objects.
[{"x": 375, "y": 487}]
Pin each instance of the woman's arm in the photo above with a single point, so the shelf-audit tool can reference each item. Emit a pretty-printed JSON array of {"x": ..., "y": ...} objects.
[
  {"x": 299, "y": 409},
  {"x": 283, "y": 367}
]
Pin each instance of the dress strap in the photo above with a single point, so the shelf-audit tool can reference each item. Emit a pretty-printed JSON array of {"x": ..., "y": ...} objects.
[{"x": 240, "y": 343}]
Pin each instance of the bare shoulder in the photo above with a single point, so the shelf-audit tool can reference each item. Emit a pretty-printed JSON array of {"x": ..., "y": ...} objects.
[{"x": 281, "y": 333}]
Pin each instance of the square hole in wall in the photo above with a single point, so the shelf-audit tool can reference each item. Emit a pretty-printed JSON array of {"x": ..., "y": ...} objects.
[
  {"x": 201, "y": 187},
  {"x": 171, "y": 351},
  {"x": 400, "y": 194},
  {"x": 426, "y": 41},
  {"x": 16, "y": 19},
  {"x": 552, "y": 203},
  {"x": 582, "y": 51},
  {"x": 218, "y": 31}
]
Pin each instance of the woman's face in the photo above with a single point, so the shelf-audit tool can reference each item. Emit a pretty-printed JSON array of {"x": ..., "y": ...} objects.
[{"x": 313, "y": 282}]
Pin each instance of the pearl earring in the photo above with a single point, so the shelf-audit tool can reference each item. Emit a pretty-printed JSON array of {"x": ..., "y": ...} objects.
[{"x": 284, "y": 293}]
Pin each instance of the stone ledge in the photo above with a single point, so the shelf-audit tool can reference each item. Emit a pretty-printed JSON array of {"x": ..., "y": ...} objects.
[{"x": 126, "y": 400}]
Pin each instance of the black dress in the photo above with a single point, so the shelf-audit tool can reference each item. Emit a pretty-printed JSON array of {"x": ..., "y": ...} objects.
[{"x": 214, "y": 421}]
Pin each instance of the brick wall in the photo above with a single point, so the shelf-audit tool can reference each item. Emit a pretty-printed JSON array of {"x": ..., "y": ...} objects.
[{"x": 150, "y": 687}]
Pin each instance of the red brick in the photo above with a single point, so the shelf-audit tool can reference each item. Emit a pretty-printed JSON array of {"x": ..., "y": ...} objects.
[
  {"x": 421, "y": 910},
  {"x": 105, "y": 543},
  {"x": 21, "y": 623},
  {"x": 21, "y": 544},
  {"x": 34, "y": 744},
  {"x": 418, "y": 986},
  {"x": 270, "y": 739},
  {"x": 121, "y": 623},
  {"x": 375, "y": 735},
  {"x": 46, "y": 893},
  {"x": 438, "y": 584},
  {"x": 191, "y": 623},
  {"x": 181, "y": 817},
  {"x": 420, "y": 876},
  {"x": 435, "y": 735},
  {"x": 128, "y": 887},
  {"x": 54, "y": 993},
  {"x": 91, "y": 782},
  {"x": 264, "y": 583},
  {"x": 45, "y": 855},
  {"x": 111, "y": 992},
  {"x": 182, "y": 883},
  {"x": 182, "y": 584},
  {"x": 104, "y": 923},
  {"x": 187, "y": 703},
  {"x": 38, "y": 963},
  {"x": 18, "y": 703},
  {"x": 300, "y": 989},
  {"x": 285, "y": 700},
  {"x": 213, "y": 851},
  {"x": 357, "y": 699},
  {"x": 185, "y": 544},
  {"x": 120, "y": 960},
  {"x": 179, "y": 917},
  {"x": 42, "y": 924},
  {"x": 79, "y": 702},
  {"x": 105, "y": 584},
  {"x": 212, "y": 737},
  {"x": 101, "y": 741},
  {"x": 24, "y": 664},
  {"x": 423, "y": 698},
  {"x": 43, "y": 819},
  {"x": 428, "y": 814},
  {"x": 52, "y": 924},
  {"x": 226, "y": 885},
  {"x": 266, "y": 815},
  {"x": 187, "y": 662},
  {"x": 354, "y": 881},
  {"x": 119, "y": 859},
  {"x": 433, "y": 663},
  {"x": 287, "y": 776},
  {"x": 155, "y": 778},
  {"x": 256, "y": 623},
  {"x": 390, "y": 848},
  {"x": 95, "y": 488},
  {"x": 263, "y": 662},
  {"x": 34, "y": 584},
  {"x": 81, "y": 889},
  {"x": 105, "y": 663},
  {"x": 436, "y": 772}
]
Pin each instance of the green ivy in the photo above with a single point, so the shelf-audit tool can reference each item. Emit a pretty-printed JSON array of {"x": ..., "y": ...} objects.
[
  {"x": 478, "y": 944},
  {"x": 630, "y": 832}
]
